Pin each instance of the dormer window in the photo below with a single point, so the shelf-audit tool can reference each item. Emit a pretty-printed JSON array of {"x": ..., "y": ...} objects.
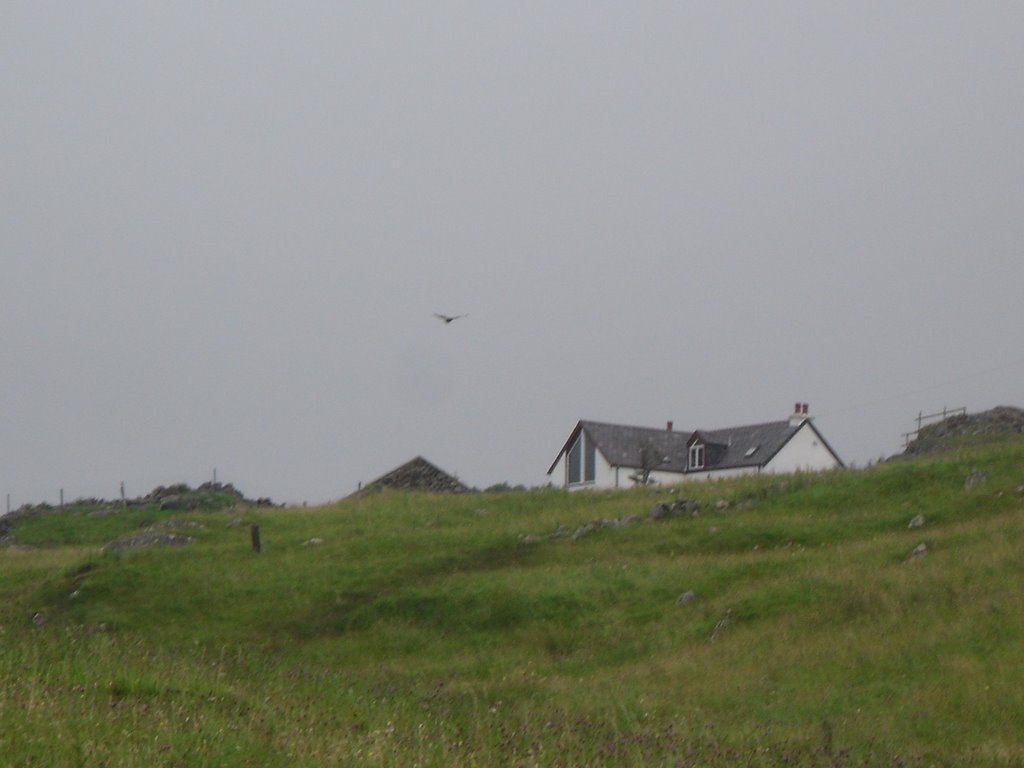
[{"x": 697, "y": 456}]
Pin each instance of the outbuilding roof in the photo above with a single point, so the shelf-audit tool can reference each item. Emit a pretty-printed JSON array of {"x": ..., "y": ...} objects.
[{"x": 420, "y": 475}]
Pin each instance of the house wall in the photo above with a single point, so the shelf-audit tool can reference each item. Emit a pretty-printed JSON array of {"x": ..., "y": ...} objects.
[
  {"x": 804, "y": 452},
  {"x": 557, "y": 473},
  {"x": 719, "y": 474},
  {"x": 607, "y": 476},
  {"x": 604, "y": 475}
]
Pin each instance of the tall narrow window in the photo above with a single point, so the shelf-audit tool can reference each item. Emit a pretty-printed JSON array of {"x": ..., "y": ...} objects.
[
  {"x": 590, "y": 460},
  {"x": 573, "y": 459},
  {"x": 696, "y": 456},
  {"x": 581, "y": 462}
]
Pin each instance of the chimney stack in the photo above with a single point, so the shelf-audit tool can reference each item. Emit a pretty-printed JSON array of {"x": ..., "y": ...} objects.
[
  {"x": 668, "y": 426},
  {"x": 799, "y": 414}
]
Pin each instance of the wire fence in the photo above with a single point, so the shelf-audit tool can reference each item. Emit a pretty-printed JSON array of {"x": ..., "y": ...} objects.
[{"x": 929, "y": 418}]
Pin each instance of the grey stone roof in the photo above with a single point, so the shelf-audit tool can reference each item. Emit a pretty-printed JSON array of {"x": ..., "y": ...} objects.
[
  {"x": 418, "y": 474},
  {"x": 732, "y": 448}
]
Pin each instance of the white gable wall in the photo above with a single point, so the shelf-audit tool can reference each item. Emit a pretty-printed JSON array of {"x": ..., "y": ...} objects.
[
  {"x": 559, "y": 475},
  {"x": 805, "y": 452},
  {"x": 605, "y": 475}
]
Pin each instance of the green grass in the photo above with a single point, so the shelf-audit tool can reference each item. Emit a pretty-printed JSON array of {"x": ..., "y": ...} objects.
[{"x": 456, "y": 631}]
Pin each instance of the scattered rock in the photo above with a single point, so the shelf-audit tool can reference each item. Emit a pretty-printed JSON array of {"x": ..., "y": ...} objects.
[
  {"x": 920, "y": 550},
  {"x": 676, "y": 508},
  {"x": 976, "y": 476},
  {"x": 147, "y": 538},
  {"x": 722, "y": 625},
  {"x": 162, "y": 492},
  {"x": 659, "y": 511},
  {"x": 173, "y": 524},
  {"x": 40, "y": 619},
  {"x": 583, "y": 531},
  {"x": 917, "y": 522},
  {"x": 314, "y": 542},
  {"x": 176, "y": 502},
  {"x": 686, "y": 598},
  {"x": 722, "y": 504}
]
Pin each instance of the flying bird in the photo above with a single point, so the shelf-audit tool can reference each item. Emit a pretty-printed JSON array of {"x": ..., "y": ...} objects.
[{"x": 448, "y": 318}]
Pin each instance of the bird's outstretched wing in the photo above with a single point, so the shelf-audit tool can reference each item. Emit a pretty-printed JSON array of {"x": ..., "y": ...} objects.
[{"x": 448, "y": 318}]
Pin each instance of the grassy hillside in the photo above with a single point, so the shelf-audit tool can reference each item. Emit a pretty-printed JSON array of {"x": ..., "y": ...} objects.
[{"x": 785, "y": 621}]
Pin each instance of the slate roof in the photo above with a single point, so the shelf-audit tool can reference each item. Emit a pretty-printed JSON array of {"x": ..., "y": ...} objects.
[
  {"x": 760, "y": 441},
  {"x": 622, "y": 445},
  {"x": 736, "y": 447}
]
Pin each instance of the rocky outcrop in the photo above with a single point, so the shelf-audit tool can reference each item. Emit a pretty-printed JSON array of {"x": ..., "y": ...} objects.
[
  {"x": 941, "y": 436},
  {"x": 208, "y": 497}
]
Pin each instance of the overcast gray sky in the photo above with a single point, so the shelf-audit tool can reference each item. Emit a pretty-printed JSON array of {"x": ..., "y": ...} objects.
[{"x": 225, "y": 228}]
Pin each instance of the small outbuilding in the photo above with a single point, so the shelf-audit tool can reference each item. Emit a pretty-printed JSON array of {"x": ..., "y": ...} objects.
[{"x": 418, "y": 475}]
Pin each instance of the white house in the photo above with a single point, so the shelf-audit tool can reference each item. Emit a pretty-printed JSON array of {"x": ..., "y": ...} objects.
[{"x": 599, "y": 455}]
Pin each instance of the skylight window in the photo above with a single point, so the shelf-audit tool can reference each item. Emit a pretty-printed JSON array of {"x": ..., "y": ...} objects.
[{"x": 751, "y": 451}]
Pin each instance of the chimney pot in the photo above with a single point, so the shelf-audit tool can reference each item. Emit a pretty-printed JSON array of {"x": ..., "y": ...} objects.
[
  {"x": 668, "y": 426},
  {"x": 805, "y": 409},
  {"x": 796, "y": 408}
]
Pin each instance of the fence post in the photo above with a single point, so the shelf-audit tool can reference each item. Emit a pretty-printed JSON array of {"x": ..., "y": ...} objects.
[{"x": 255, "y": 531}]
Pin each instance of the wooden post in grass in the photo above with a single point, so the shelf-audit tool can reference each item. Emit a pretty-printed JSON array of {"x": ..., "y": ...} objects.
[{"x": 255, "y": 530}]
